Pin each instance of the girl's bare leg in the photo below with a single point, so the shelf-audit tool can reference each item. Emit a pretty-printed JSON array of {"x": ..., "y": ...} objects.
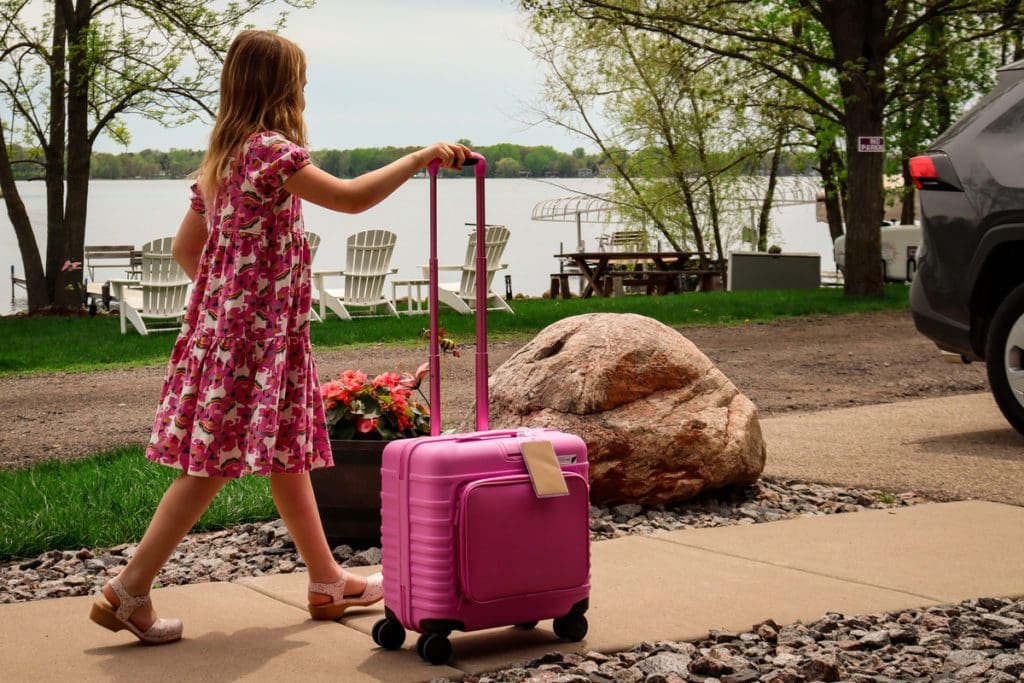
[
  {"x": 180, "y": 508},
  {"x": 293, "y": 496}
]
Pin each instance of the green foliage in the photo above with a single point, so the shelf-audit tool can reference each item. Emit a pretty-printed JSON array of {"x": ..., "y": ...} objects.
[
  {"x": 507, "y": 167},
  {"x": 177, "y": 163},
  {"x": 677, "y": 129},
  {"x": 505, "y": 160},
  {"x": 105, "y": 500}
]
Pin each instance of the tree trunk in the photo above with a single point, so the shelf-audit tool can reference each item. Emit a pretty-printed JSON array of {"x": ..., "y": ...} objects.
[
  {"x": 709, "y": 179},
  {"x": 691, "y": 210},
  {"x": 35, "y": 276},
  {"x": 769, "y": 196},
  {"x": 830, "y": 166},
  {"x": 938, "y": 56},
  {"x": 1011, "y": 40},
  {"x": 857, "y": 29},
  {"x": 57, "y": 279},
  {"x": 863, "y": 222},
  {"x": 79, "y": 144},
  {"x": 909, "y": 211},
  {"x": 716, "y": 230}
]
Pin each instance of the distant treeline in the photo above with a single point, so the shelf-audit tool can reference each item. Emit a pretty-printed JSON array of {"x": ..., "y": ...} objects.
[{"x": 505, "y": 160}]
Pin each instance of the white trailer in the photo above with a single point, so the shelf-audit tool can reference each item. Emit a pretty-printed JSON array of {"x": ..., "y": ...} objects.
[{"x": 899, "y": 252}]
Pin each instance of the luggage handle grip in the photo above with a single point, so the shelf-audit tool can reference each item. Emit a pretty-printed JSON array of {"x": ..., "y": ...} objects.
[{"x": 434, "y": 166}]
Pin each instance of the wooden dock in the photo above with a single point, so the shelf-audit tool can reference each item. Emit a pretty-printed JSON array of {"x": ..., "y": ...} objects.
[{"x": 95, "y": 291}]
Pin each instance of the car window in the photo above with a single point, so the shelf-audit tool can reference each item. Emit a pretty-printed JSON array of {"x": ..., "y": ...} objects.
[{"x": 1008, "y": 88}]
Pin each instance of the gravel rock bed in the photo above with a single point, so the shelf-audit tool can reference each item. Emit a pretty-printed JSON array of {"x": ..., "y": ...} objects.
[
  {"x": 977, "y": 640},
  {"x": 261, "y": 549},
  {"x": 764, "y": 501}
]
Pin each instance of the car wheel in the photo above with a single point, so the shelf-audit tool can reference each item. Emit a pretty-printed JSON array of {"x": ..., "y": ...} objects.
[{"x": 1004, "y": 357}]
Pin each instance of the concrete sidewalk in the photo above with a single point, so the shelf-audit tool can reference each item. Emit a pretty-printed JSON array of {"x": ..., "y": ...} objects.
[
  {"x": 950, "y": 448},
  {"x": 675, "y": 586}
]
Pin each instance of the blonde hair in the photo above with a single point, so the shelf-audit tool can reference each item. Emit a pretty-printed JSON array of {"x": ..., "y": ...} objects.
[{"x": 260, "y": 89}]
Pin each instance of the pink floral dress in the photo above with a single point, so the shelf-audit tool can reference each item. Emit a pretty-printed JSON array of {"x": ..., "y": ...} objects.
[{"x": 241, "y": 393}]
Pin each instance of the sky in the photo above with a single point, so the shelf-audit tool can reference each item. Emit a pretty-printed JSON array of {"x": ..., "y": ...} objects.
[{"x": 401, "y": 72}]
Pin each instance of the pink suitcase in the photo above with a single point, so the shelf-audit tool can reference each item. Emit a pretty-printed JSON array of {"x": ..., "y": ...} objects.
[{"x": 466, "y": 543}]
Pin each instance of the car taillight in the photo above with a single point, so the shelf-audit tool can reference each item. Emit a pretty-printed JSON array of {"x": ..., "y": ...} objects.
[
  {"x": 933, "y": 172},
  {"x": 923, "y": 171}
]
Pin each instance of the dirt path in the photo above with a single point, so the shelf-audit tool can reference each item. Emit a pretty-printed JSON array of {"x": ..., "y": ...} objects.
[{"x": 795, "y": 365}]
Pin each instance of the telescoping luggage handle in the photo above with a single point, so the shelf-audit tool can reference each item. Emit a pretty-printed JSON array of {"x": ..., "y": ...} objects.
[{"x": 482, "y": 417}]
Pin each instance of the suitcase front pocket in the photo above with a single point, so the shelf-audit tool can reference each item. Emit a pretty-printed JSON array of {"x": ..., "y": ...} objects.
[{"x": 511, "y": 543}]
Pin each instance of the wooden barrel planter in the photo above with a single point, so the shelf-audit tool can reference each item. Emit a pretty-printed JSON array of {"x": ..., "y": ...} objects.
[{"x": 348, "y": 494}]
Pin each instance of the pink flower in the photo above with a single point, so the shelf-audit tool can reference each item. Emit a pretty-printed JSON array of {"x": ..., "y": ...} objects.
[
  {"x": 353, "y": 379},
  {"x": 387, "y": 379},
  {"x": 71, "y": 265},
  {"x": 422, "y": 372},
  {"x": 414, "y": 381},
  {"x": 366, "y": 426},
  {"x": 335, "y": 391}
]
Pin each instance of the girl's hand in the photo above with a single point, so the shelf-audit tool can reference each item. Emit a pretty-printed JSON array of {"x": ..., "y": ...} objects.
[{"x": 451, "y": 154}]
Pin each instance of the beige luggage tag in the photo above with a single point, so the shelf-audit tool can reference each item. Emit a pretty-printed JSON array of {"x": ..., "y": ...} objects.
[{"x": 545, "y": 472}]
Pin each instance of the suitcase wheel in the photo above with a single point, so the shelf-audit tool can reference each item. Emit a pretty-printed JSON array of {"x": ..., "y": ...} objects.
[
  {"x": 572, "y": 627},
  {"x": 389, "y": 634},
  {"x": 434, "y": 648},
  {"x": 527, "y": 626}
]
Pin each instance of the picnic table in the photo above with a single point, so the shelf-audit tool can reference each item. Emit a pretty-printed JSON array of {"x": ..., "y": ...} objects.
[
  {"x": 657, "y": 271},
  {"x": 119, "y": 256}
]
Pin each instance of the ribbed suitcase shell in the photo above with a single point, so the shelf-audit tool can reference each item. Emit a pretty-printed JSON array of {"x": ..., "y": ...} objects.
[{"x": 465, "y": 540}]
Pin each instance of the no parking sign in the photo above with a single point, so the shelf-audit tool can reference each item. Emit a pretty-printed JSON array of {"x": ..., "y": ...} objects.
[{"x": 868, "y": 143}]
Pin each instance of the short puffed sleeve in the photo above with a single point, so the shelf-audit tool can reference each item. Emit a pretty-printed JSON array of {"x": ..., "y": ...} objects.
[
  {"x": 271, "y": 160},
  {"x": 196, "y": 201}
]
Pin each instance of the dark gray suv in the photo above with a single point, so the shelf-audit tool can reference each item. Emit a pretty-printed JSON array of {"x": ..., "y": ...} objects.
[{"x": 968, "y": 295}]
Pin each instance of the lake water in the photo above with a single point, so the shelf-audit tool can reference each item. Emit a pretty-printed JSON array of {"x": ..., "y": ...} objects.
[{"x": 136, "y": 211}]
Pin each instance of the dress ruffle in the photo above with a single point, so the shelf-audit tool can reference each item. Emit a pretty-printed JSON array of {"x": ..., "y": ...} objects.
[{"x": 234, "y": 406}]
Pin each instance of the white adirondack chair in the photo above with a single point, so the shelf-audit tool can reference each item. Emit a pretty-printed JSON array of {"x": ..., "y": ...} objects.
[
  {"x": 367, "y": 265},
  {"x": 155, "y": 302},
  {"x": 461, "y": 295},
  {"x": 314, "y": 244}
]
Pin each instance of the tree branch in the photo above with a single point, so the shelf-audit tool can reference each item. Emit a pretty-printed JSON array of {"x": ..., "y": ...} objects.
[{"x": 827, "y": 108}]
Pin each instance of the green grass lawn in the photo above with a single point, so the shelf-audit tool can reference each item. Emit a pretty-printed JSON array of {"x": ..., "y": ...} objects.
[
  {"x": 47, "y": 344},
  {"x": 105, "y": 500}
]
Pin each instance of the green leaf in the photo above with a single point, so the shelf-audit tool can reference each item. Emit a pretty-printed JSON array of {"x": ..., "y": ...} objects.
[
  {"x": 387, "y": 433},
  {"x": 343, "y": 430},
  {"x": 370, "y": 409}
]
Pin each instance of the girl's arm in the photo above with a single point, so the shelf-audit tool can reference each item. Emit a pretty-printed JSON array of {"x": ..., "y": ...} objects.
[
  {"x": 359, "y": 194},
  {"x": 188, "y": 243}
]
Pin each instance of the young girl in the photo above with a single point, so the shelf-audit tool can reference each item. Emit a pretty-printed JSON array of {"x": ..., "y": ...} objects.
[{"x": 241, "y": 394}]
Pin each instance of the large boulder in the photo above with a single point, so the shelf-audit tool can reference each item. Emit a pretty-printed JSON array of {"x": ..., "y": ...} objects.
[{"x": 661, "y": 422}]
